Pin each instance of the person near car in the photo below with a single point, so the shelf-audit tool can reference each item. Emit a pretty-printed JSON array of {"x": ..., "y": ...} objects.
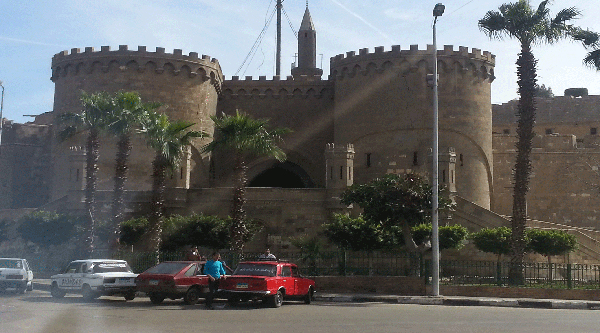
[
  {"x": 193, "y": 254},
  {"x": 215, "y": 271},
  {"x": 267, "y": 255}
]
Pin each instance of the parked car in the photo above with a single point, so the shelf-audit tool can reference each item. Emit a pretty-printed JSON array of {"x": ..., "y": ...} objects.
[
  {"x": 15, "y": 273},
  {"x": 270, "y": 281},
  {"x": 174, "y": 280},
  {"x": 93, "y": 278}
]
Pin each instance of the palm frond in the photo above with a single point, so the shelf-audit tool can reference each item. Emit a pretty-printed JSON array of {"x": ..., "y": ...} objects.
[{"x": 592, "y": 59}]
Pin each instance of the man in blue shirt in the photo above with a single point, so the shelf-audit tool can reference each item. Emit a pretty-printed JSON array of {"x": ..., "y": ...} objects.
[{"x": 215, "y": 271}]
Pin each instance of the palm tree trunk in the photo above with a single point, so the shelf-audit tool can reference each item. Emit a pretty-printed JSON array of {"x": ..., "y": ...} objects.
[
  {"x": 159, "y": 171},
  {"x": 123, "y": 150},
  {"x": 92, "y": 154},
  {"x": 238, "y": 214},
  {"x": 526, "y": 72}
]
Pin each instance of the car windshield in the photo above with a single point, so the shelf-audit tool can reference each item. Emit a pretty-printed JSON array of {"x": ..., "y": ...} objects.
[
  {"x": 256, "y": 270},
  {"x": 167, "y": 268},
  {"x": 108, "y": 267},
  {"x": 10, "y": 263}
]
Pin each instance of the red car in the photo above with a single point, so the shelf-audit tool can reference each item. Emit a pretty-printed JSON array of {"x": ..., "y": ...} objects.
[
  {"x": 174, "y": 280},
  {"x": 271, "y": 281}
]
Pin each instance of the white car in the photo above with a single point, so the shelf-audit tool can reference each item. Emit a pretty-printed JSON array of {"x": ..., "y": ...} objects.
[
  {"x": 15, "y": 273},
  {"x": 93, "y": 278}
]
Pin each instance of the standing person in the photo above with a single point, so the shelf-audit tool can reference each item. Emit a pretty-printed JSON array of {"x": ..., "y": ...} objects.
[
  {"x": 215, "y": 271},
  {"x": 267, "y": 255},
  {"x": 193, "y": 254}
]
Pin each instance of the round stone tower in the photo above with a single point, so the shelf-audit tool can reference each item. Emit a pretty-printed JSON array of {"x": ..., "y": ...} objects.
[
  {"x": 187, "y": 85},
  {"x": 383, "y": 105}
]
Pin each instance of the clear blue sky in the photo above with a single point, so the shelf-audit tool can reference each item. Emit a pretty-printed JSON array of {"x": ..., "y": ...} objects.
[{"x": 31, "y": 32}]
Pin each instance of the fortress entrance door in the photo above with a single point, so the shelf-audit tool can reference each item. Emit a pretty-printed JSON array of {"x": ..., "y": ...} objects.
[{"x": 283, "y": 175}]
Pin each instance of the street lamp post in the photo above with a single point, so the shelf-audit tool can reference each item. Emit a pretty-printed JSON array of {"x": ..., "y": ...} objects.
[
  {"x": 1, "y": 109},
  {"x": 438, "y": 10}
]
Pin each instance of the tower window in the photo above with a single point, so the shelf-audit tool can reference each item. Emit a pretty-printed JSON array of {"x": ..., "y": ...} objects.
[
  {"x": 416, "y": 158},
  {"x": 180, "y": 173},
  {"x": 506, "y": 131},
  {"x": 331, "y": 173},
  {"x": 549, "y": 131},
  {"x": 350, "y": 173},
  {"x": 593, "y": 131},
  {"x": 451, "y": 176},
  {"x": 305, "y": 34},
  {"x": 341, "y": 172},
  {"x": 460, "y": 158},
  {"x": 368, "y": 159},
  {"x": 443, "y": 176}
]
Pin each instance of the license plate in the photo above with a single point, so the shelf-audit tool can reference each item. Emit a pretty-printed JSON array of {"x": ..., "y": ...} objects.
[
  {"x": 124, "y": 280},
  {"x": 153, "y": 282},
  {"x": 242, "y": 286}
]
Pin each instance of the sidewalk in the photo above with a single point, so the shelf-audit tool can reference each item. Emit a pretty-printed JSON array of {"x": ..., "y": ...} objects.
[{"x": 44, "y": 284}]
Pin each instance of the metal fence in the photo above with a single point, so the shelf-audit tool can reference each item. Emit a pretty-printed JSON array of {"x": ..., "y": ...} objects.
[{"x": 346, "y": 263}]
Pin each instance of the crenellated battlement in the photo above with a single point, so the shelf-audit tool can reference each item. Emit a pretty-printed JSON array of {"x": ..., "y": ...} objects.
[
  {"x": 349, "y": 64},
  {"x": 308, "y": 87},
  {"x": 89, "y": 61}
]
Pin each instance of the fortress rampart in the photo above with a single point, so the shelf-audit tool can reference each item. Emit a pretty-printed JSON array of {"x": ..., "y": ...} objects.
[
  {"x": 476, "y": 62},
  {"x": 383, "y": 105},
  {"x": 187, "y": 85}
]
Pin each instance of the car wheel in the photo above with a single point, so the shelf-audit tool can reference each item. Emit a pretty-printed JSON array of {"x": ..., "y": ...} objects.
[
  {"x": 191, "y": 296},
  {"x": 156, "y": 298},
  {"x": 130, "y": 296},
  {"x": 87, "y": 292},
  {"x": 30, "y": 286},
  {"x": 276, "y": 300},
  {"x": 309, "y": 296},
  {"x": 56, "y": 292},
  {"x": 21, "y": 289}
]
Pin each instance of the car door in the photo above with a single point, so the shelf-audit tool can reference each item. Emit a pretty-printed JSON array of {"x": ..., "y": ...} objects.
[
  {"x": 299, "y": 288},
  {"x": 67, "y": 280},
  {"x": 28, "y": 270},
  {"x": 287, "y": 280}
]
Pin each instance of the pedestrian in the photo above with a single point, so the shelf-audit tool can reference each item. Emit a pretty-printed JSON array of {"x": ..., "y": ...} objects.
[
  {"x": 192, "y": 254},
  {"x": 215, "y": 271},
  {"x": 267, "y": 255}
]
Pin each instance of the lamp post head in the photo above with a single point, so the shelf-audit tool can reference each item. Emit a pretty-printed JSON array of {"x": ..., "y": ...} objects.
[{"x": 438, "y": 10}]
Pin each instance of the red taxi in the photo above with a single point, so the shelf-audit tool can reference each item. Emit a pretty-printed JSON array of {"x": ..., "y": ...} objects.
[
  {"x": 270, "y": 281},
  {"x": 174, "y": 280}
]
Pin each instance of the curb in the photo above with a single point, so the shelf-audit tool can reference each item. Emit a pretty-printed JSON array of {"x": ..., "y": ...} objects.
[{"x": 461, "y": 301}]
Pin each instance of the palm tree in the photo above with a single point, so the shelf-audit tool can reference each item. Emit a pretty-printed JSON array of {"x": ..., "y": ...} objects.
[
  {"x": 245, "y": 138},
  {"x": 128, "y": 113},
  {"x": 93, "y": 118},
  {"x": 529, "y": 26},
  {"x": 169, "y": 141}
]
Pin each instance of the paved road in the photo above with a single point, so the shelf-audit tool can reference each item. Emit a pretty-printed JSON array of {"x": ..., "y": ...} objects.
[{"x": 39, "y": 312}]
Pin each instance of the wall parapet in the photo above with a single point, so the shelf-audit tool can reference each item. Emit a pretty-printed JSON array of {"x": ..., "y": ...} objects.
[
  {"x": 90, "y": 60},
  {"x": 275, "y": 88},
  {"x": 477, "y": 62}
]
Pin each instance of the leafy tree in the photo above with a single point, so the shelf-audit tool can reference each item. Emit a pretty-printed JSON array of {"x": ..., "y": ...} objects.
[
  {"x": 128, "y": 112},
  {"x": 396, "y": 201},
  {"x": 311, "y": 249},
  {"x": 47, "y": 228},
  {"x": 93, "y": 118},
  {"x": 354, "y": 234},
  {"x": 551, "y": 242},
  {"x": 133, "y": 230},
  {"x": 169, "y": 141},
  {"x": 542, "y": 91},
  {"x": 451, "y": 236},
  {"x": 493, "y": 240},
  {"x": 201, "y": 230},
  {"x": 529, "y": 26},
  {"x": 245, "y": 138}
]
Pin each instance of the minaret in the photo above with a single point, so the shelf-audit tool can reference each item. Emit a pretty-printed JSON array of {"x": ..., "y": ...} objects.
[{"x": 307, "y": 48}]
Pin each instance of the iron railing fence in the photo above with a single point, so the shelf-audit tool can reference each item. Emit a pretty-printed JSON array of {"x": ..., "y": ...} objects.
[{"x": 349, "y": 263}]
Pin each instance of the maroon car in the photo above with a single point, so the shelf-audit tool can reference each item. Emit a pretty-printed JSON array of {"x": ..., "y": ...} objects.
[
  {"x": 174, "y": 280},
  {"x": 270, "y": 281}
]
